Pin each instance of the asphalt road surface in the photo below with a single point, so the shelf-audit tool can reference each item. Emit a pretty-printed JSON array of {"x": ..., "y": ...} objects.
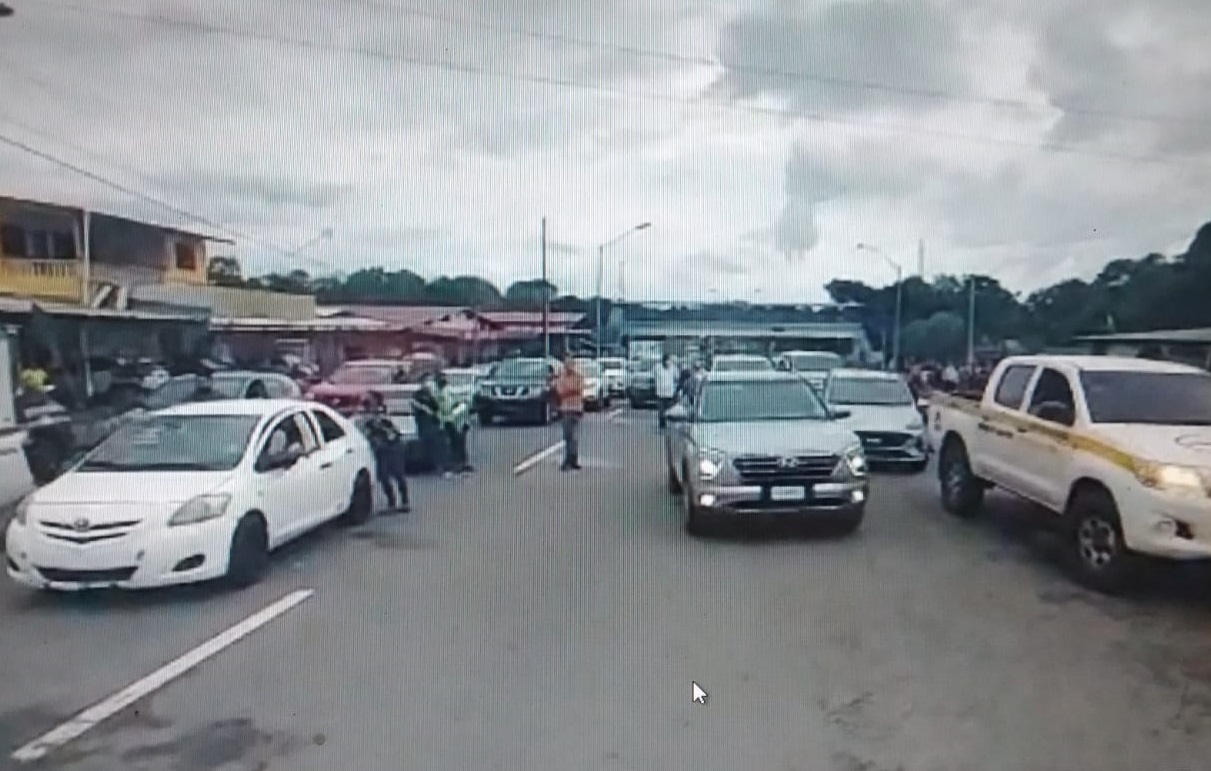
[{"x": 556, "y": 621}]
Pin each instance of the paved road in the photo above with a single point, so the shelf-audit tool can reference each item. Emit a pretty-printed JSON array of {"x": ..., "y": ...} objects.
[{"x": 555, "y": 621}]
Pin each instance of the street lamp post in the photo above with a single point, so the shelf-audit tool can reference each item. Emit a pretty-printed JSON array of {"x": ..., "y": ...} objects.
[
  {"x": 895, "y": 344},
  {"x": 601, "y": 275}
]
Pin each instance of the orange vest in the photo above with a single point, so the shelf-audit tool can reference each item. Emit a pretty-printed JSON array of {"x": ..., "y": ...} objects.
[{"x": 569, "y": 390}]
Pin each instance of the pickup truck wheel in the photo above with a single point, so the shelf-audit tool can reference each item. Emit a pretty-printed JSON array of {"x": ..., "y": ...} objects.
[
  {"x": 1098, "y": 555},
  {"x": 962, "y": 491}
]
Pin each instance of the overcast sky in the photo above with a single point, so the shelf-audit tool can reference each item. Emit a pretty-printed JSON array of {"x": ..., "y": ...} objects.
[{"x": 1032, "y": 141}]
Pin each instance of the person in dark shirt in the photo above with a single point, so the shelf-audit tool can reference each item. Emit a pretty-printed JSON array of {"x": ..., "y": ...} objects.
[
  {"x": 427, "y": 412},
  {"x": 388, "y": 445}
]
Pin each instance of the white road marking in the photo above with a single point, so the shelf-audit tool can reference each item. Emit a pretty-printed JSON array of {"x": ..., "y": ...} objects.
[
  {"x": 536, "y": 458},
  {"x": 119, "y": 701},
  {"x": 613, "y": 414}
]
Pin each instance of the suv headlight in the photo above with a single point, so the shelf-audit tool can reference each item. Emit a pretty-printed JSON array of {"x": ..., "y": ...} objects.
[
  {"x": 200, "y": 509},
  {"x": 853, "y": 462},
  {"x": 710, "y": 464},
  {"x": 1174, "y": 479}
]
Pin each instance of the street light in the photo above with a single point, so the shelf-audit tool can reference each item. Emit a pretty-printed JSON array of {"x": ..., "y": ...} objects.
[
  {"x": 601, "y": 273},
  {"x": 895, "y": 345}
]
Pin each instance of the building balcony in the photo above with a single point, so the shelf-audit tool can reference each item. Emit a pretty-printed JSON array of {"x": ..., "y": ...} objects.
[{"x": 50, "y": 279}]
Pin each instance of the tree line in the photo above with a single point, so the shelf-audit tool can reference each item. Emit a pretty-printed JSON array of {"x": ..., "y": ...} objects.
[{"x": 1154, "y": 291}]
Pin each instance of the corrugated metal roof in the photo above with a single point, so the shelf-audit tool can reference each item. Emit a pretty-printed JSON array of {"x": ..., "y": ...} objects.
[
  {"x": 533, "y": 318},
  {"x": 339, "y": 324},
  {"x": 1202, "y": 335},
  {"x": 79, "y": 211},
  {"x": 698, "y": 328},
  {"x": 23, "y": 305},
  {"x": 403, "y": 316}
]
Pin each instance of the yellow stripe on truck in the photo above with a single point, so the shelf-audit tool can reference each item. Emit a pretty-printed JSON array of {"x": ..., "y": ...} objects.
[{"x": 1064, "y": 436}]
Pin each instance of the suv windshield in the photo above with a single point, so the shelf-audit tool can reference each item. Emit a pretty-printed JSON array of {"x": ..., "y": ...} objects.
[
  {"x": 742, "y": 401},
  {"x": 853, "y": 390},
  {"x": 175, "y": 443},
  {"x": 523, "y": 368},
  {"x": 1155, "y": 398},
  {"x": 813, "y": 362}
]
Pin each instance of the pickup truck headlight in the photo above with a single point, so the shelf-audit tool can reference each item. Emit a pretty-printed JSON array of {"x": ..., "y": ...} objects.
[
  {"x": 1174, "y": 479},
  {"x": 200, "y": 509},
  {"x": 710, "y": 464}
]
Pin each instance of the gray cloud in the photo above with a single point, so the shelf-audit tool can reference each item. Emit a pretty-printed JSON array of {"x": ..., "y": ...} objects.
[{"x": 801, "y": 53}]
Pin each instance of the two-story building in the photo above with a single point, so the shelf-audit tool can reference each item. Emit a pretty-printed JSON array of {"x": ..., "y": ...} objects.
[{"x": 70, "y": 255}]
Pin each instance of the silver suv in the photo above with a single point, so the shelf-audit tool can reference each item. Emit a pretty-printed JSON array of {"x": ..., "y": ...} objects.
[{"x": 749, "y": 446}]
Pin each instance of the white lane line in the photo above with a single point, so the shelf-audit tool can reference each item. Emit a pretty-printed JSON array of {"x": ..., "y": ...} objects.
[
  {"x": 613, "y": 414},
  {"x": 536, "y": 458},
  {"x": 109, "y": 707}
]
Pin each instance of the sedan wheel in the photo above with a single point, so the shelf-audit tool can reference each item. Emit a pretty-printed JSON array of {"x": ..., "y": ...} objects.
[
  {"x": 249, "y": 554},
  {"x": 361, "y": 501}
]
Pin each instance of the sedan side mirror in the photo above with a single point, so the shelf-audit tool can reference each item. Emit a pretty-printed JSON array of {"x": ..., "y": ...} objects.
[
  {"x": 841, "y": 414},
  {"x": 677, "y": 414}
]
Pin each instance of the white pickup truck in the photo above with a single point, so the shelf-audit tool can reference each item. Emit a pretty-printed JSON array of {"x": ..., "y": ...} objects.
[{"x": 1118, "y": 449}]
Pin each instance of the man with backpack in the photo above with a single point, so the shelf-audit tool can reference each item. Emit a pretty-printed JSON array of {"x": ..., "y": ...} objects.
[{"x": 389, "y": 457}]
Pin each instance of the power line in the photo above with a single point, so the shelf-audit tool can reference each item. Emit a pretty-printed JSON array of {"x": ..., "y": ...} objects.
[
  {"x": 774, "y": 72},
  {"x": 138, "y": 194},
  {"x": 479, "y": 70}
]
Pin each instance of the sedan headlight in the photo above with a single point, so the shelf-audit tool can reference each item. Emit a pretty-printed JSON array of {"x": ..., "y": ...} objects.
[
  {"x": 710, "y": 464},
  {"x": 200, "y": 509},
  {"x": 22, "y": 512},
  {"x": 915, "y": 426},
  {"x": 1174, "y": 479}
]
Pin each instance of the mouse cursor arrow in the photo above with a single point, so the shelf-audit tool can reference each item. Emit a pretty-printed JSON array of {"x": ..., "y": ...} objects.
[{"x": 697, "y": 695}]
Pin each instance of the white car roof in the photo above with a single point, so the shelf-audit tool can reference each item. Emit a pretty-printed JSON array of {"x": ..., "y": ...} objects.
[
  {"x": 255, "y": 407},
  {"x": 865, "y": 374},
  {"x": 1106, "y": 364}
]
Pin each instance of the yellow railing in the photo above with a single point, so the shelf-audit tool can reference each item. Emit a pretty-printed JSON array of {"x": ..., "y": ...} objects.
[{"x": 54, "y": 279}]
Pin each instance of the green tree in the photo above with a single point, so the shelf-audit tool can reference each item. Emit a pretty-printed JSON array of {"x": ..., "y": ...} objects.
[
  {"x": 529, "y": 294},
  {"x": 464, "y": 290},
  {"x": 224, "y": 271},
  {"x": 943, "y": 337}
]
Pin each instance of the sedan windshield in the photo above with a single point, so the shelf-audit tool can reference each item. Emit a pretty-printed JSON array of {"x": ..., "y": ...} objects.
[
  {"x": 523, "y": 368},
  {"x": 743, "y": 364},
  {"x": 175, "y": 443},
  {"x": 743, "y": 401},
  {"x": 176, "y": 391},
  {"x": 852, "y": 390},
  {"x": 1153, "y": 398},
  {"x": 363, "y": 375}
]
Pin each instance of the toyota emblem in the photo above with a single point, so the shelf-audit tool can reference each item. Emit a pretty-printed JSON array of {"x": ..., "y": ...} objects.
[
  {"x": 788, "y": 462},
  {"x": 81, "y": 524}
]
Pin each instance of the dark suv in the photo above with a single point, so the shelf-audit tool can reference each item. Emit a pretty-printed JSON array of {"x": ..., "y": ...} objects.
[{"x": 518, "y": 389}]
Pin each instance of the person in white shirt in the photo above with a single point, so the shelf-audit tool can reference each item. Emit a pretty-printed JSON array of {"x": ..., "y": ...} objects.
[{"x": 667, "y": 375}]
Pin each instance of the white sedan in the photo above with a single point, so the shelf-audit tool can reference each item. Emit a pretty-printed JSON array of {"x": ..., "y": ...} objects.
[{"x": 192, "y": 493}]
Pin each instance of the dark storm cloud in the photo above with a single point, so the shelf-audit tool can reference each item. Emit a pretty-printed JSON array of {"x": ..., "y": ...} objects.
[{"x": 801, "y": 53}]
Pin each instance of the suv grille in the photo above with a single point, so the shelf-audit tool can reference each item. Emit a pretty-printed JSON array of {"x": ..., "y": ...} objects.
[
  {"x": 756, "y": 469},
  {"x": 883, "y": 439}
]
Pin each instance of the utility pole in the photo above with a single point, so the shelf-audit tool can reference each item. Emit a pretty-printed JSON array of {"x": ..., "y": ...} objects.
[
  {"x": 597, "y": 310},
  {"x": 971, "y": 321},
  {"x": 895, "y": 343},
  {"x": 546, "y": 300},
  {"x": 921, "y": 259}
]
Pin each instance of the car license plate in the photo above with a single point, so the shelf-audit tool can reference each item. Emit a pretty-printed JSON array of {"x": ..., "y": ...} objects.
[{"x": 787, "y": 493}]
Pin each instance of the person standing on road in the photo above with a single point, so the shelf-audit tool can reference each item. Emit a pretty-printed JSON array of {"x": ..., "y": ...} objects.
[
  {"x": 427, "y": 412},
  {"x": 667, "y": 378},
  {"x": 388, "y": 446},
  {"x": 453, "y": 414},
  {"x": 569, "y": 393}
]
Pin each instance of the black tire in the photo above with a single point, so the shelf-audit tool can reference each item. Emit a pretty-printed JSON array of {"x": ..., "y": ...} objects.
[
  {"x": 1097, "y": 554},
  {"x": 693, "y": 517},
  {"x": 361, "y": 501},
  {"x": 674, "y": 484},
  {"x": 249, "y": 555},
  {"x": 486, "y": 418},
  {"x": 962, "y": 491}
]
